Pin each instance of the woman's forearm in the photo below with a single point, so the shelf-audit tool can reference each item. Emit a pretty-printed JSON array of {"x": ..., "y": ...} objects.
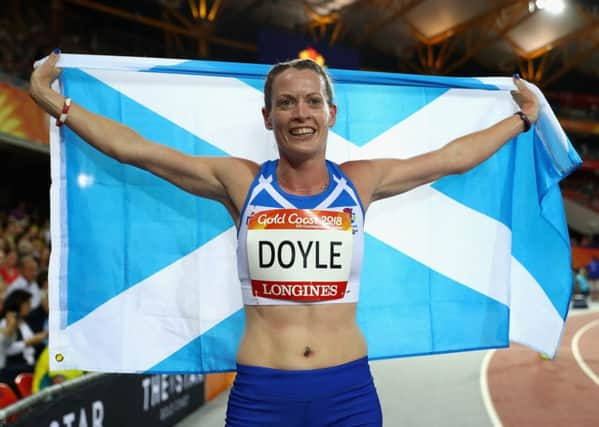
[
  {"x": 108, "y": 136},
  {"x": 470, "y": 150}
]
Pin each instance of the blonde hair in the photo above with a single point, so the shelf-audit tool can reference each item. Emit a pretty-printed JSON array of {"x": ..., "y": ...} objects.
[{"x": 298, "y": 64}]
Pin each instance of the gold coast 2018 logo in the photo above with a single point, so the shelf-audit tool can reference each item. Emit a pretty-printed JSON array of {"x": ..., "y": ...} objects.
[{"x": 352, "y": 216}]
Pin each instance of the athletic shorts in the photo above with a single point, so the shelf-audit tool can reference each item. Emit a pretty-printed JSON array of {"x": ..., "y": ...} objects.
[{"x": 340, "y": 396}]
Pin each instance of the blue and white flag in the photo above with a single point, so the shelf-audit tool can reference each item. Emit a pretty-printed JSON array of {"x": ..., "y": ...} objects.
[{"x": 144, "y": 277}]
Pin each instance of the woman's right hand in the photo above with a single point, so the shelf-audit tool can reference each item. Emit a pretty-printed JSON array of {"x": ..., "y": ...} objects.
[{"x": 43, "y": 76}]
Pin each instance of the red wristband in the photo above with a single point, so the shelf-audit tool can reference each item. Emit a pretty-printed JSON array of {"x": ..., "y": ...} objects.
[{"x": 65, "y": 112}]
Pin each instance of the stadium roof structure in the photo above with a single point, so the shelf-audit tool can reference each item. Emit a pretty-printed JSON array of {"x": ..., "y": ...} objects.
[
  {"x": 448, "y": 37},
  {"x": 439, "y": 36},
  {"x": 424, "y": 36}
]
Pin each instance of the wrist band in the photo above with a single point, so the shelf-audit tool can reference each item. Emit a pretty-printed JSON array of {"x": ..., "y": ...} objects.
[
  {"x": 65, "y": 112},
  {"x": 525, "y": 119}
]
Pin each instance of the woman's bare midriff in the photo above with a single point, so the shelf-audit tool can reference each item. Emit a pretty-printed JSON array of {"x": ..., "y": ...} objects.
[{"x": 301, "y": 336}]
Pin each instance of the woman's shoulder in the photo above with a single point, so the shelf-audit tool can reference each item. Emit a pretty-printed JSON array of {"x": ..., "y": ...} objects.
[{"x": 357, "y": 170}]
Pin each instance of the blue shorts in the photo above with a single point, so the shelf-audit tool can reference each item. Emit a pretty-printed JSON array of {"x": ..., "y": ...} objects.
[{"x": 341, "y": 396}]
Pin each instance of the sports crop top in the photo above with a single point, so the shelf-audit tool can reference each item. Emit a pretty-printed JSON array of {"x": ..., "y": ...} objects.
[{"x": 295, "y": 249}]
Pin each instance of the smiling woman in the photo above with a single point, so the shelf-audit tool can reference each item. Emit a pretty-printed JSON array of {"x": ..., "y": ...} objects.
[{"x": 300, "y": 221}]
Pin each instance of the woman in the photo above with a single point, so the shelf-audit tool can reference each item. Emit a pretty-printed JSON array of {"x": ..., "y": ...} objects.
[
  {"x": 18, "y": 339},
  {"x": 302, "y": 359},
  {"x": 7, "y": 331}
]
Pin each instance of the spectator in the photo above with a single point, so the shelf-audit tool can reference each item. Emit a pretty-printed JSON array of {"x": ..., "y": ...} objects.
[
  {"x": 38, "y": 318},
  {"x": 27, "y": 281},
  {"x": 593, "y": 273},
  {"x": 2, "y": 284},
  {"x": 8, "y": 270},
  {"x": 12, "y": 230},
  {"x": 19, "y": 212},
  {"x": 30, "y": 242},
  {"x": 25, "y": 247},
  {"x": 44, "y": 259},
  {"x": 7, "y": 330},
  {"x": 582, "y": 284},
  {"x": 45, "y": 233},
  {"x": 20, "y": 350}
]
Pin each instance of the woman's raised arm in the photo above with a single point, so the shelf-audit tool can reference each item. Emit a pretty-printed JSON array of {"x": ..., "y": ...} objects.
[{"x": 204, "y": 176}]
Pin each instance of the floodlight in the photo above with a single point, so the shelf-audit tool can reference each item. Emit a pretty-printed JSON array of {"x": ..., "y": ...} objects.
[{"x": 551, "y": 6}]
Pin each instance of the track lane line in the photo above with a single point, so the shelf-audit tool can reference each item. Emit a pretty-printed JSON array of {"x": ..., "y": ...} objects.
[
  {"x": 484, "y": 390},
  {"x": 576, "y": 351}
]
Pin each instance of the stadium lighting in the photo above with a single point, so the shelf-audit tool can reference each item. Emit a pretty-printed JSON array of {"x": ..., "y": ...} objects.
[
  {"x": 552, "y": 6},
  {"x": 326, "y": 8}
]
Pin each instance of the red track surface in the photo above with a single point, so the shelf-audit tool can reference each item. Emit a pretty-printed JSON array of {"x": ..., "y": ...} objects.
[{"x": 527, "y": 390}]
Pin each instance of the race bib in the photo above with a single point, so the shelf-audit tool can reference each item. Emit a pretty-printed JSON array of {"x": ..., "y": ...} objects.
[{"x": 299, "y": 255}]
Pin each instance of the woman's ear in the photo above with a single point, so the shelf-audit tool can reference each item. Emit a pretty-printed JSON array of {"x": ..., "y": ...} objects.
[
  {"x": 332, "y": 115},
  {"x": 267, "y": 120}
]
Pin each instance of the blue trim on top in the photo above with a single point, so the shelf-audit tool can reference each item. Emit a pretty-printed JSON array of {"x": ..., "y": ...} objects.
[
  {"x": 350, "y": 183},
  {"x": 269, "y": 168},
  {"x": 253, "y": 71},
  {"x": 247, "y": 198}
]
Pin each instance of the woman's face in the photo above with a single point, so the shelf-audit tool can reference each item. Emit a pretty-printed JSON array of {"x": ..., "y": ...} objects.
[
  {"x": 25, "y": 309},
  {"x": 300, "y": 116}
]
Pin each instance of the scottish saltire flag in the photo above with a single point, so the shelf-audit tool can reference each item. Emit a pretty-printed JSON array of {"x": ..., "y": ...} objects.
[{"x": 144, "y": 277}]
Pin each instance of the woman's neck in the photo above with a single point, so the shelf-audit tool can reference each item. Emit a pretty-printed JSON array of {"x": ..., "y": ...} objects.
[{"x": 311, "y": 177}]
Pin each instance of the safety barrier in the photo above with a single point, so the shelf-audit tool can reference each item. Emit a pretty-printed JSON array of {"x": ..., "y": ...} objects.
[
  {"x": 25, "y": 404},
  {"x": 96, "y": 400}
]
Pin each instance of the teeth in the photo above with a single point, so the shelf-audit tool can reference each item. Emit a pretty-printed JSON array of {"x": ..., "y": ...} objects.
[{"x": 301, "y": 131}]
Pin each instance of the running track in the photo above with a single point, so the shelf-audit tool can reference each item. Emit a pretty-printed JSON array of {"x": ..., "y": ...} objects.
[{"x": 527, "y": 390}]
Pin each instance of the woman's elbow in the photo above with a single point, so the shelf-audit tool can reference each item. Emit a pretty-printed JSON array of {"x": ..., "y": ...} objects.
[{"x": 462, "y": 166}]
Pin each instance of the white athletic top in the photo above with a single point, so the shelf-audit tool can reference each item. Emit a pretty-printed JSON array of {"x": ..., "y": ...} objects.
[{"x": 300, "y": 249}]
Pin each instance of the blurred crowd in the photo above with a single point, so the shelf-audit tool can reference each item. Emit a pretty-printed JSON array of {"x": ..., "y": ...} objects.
[{"x": 24, "y": 261}]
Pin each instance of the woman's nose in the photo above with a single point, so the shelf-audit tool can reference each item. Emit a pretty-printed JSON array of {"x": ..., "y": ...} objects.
[{"x": 301, "y": 109}]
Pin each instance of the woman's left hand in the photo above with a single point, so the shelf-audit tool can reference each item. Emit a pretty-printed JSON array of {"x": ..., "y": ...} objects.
[{"x": 526, "y": 99}]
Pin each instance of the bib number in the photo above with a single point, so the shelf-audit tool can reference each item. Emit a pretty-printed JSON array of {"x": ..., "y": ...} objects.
[{"x": 299, "y": 255}]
